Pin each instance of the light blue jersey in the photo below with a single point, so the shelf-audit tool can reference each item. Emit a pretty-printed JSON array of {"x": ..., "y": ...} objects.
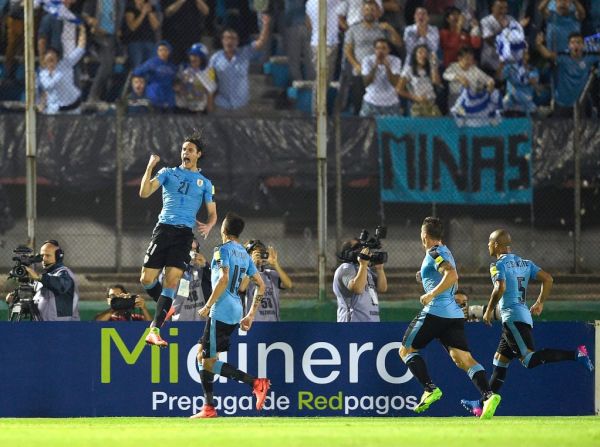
[
  {"x": 443, "y": 305},
  {"x": 183, "y": 193},
  {"x": 516, "y": 273},
  {"x": 572, "y": 76},
  {"x": 233, "y": 256}
]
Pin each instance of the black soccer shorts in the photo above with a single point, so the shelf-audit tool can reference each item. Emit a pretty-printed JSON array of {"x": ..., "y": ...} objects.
[
  {"x": 216, "y": 337},
  {"x": 425, "y": 327},
  {"x": 170, "y": 247},
  {"x": 516, "y": 340}
]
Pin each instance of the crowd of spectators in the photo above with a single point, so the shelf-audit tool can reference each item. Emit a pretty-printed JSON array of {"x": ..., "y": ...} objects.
[{"x": 413, "y": 57}]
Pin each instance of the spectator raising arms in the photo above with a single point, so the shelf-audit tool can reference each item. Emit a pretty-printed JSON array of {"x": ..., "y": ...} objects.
[
  {"x": 232, "y": 65},
  {"x": 381, "y": 72},
  {"x": 59, "y": 92},
  {"x": 160, "y": 74},
  {"x": 183, "y": 24},
  {"x": 562, "y": 20},
  {"x": 141, "y": 23},
  {"x": 573, "y": 71},
  {"x": 417, "y": 82}
]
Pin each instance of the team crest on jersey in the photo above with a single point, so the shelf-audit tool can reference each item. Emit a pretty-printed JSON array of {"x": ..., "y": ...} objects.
[{"x": 200, "y": 182}]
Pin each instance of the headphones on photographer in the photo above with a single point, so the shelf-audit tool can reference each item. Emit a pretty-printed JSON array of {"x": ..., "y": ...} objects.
[{"x": 59, "y": 254}]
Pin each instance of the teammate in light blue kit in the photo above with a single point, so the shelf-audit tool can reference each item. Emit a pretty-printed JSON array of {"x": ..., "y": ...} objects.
[
  {"x": 443, "y": 319},
  {"x": 230, "y": 264},
  {"x": 510, "y": 276},
  {"x": 184, "y": 190}
]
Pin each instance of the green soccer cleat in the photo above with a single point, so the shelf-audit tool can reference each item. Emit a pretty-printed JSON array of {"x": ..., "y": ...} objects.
[
  {"x": 427, "y": 399},
  {"x": 489, "y": 406}
]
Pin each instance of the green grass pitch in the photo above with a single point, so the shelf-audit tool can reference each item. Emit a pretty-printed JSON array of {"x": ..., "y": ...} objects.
[{"x": 305, "y": 432}]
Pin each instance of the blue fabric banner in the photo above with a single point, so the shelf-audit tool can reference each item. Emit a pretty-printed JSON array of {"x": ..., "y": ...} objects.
[
  {"x": 433, "y": 160},
  {"x": 316, "y": 369}
]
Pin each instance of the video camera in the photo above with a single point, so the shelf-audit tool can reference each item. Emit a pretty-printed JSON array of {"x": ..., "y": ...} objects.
[
  {"x": 124, "y": 302},
  {"x": 374, "y": 244},
  {"x": 256, "y": 244},
  {"x": 24, "y": 257},
  {"x": 23, "y": 306}
]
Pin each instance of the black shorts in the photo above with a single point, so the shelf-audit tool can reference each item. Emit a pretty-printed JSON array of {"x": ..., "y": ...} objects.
[
  {"x": 216, "y": 337},
  {"x": 425, "y": 327},
  {"x": 516, "y": 340},
  {"x": 170, "y": 247}
]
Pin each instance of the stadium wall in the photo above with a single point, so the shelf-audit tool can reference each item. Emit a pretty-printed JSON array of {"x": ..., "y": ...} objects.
[{"x": 318, "y": 369}]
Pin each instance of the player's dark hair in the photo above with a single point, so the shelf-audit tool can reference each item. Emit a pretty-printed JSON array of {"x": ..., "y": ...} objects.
[
  {"x": 233, "y": 225},
  {"x": 433, "y": 228},
  {"x": 116, "y": 286},
  {"x": 196, "y": 139}
]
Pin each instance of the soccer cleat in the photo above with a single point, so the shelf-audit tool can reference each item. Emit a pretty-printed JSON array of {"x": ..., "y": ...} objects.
[
  {"x": 489, "y": 406},
  {"x": 260, "y": 389},
  {"x": 427, "y": 399},
  {"x": 207, "y": 411},
  {"x": 472, "y": 406},
  {"x": 153, "y": 338},
  {"x": 584, "y": 358}
]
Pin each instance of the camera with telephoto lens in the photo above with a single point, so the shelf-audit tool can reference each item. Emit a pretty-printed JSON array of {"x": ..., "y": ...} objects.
[
  {"x": 24, "y": 257},
  {"x": 372, "y": 243},
  {"x": 125, "y": 302},
  {"x": 476, "y": 312}
]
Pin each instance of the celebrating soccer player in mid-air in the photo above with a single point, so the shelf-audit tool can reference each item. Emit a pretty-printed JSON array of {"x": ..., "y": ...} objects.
[
  {"x": 443, "y": 319},
  {"x": 230, "y": 265},
  {"x": 510, "y": 276},
  {"x": 184, "y": 190}
]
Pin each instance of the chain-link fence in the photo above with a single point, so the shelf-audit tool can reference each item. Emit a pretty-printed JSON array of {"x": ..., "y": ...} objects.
[{"x": 460, "y": 109}]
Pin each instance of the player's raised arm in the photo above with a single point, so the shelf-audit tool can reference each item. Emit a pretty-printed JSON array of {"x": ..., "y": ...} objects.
[
  {"x": 547, "y": 282},
  {"x": 149, "y": 185}
]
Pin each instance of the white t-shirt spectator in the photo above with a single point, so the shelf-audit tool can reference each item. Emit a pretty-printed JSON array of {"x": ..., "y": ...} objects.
[
  {"x": 312, "y": 11},
  {"x": 381, "y": 92},
  {"x": 478, "y": 80},
  {"x": 412, "y": 39},
  {"x": 352, "y": 10},
  {"x": 490, "y": 28},
  {"x": 421, "y": 84}
]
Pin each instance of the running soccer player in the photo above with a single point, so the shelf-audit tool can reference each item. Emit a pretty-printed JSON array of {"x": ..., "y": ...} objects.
[
  {"x": 230, "y": 265},
  {"x": 443, "y": 319},
  {"x": 510, "y": 276},
  {"x": 184, "y": 189}
]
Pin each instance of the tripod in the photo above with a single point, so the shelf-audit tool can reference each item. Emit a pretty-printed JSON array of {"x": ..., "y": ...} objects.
[{"x": 23, "y": 307}]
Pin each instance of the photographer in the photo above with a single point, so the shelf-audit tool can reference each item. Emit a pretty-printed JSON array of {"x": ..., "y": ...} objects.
[
  {"x": 123, "y": 306},
  {"x": 56, "y": 290},
  {"x": 272, "y": 274},
  {"x": 356, "y": 284}
]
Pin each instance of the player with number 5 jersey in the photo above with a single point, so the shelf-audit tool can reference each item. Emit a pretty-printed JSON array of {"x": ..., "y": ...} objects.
[
  {"x": 184, "y": 189},
  {"x": 510, "y": 276}
]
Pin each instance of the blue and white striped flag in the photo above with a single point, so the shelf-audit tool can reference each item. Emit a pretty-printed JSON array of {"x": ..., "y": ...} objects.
[
  {"x": 59, "y": 10},
  {"x": 511, "y": 43},
  {"x": 477, "y": 109}
]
